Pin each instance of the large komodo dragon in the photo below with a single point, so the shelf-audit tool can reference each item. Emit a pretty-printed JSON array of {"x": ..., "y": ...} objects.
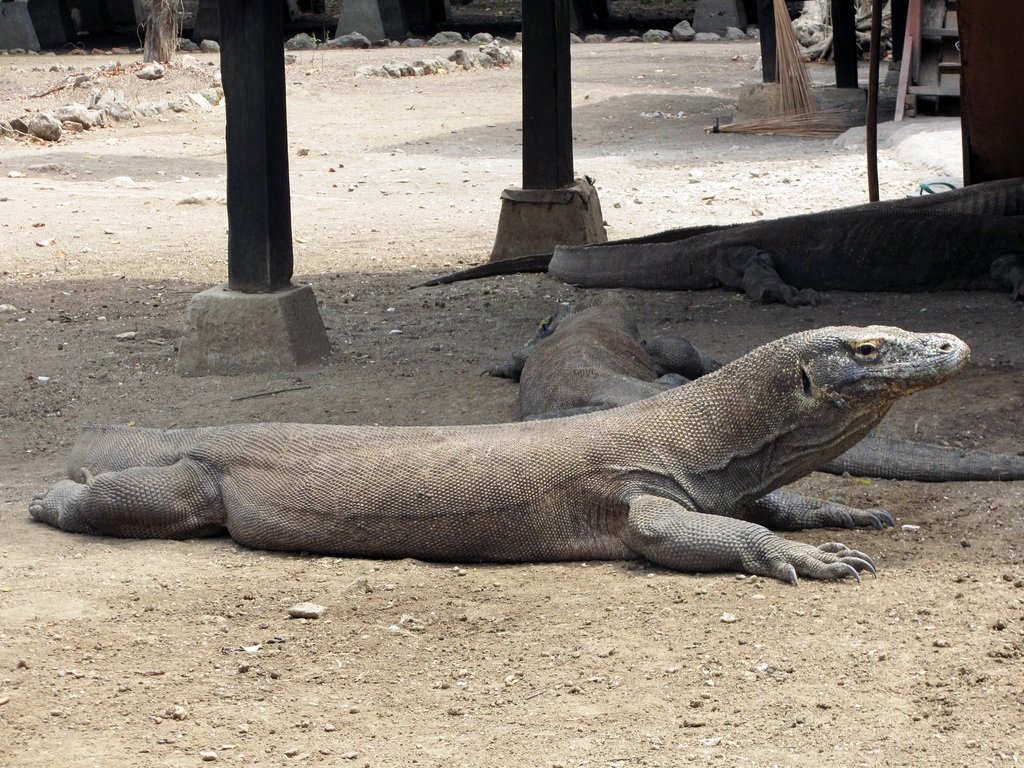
[
  {"x": 679, "y": 478},
  {"x": 966, "y": 239},
  {"x": 589, "y": 357}
]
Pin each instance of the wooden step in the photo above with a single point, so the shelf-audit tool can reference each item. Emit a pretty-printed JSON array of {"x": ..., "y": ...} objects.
[
  {"x": 935, "y": 90},
  {"x": 939, "y": 33}
]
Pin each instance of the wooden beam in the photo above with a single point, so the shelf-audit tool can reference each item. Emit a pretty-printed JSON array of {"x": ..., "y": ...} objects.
[
  {"x": 547, "y": 95},
  {"x": 844, "y": 43},
  {"x": 769, "y": 44},
  {"x": 259, "y": 208}
]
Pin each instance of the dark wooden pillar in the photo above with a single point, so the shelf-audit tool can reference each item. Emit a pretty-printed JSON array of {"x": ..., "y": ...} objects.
[
  {"x": 769, "y": 44},
  {"x": 844, "y": 43},
  {"x": 547, "y": 97},
  {"x": 259, "y": 210}
]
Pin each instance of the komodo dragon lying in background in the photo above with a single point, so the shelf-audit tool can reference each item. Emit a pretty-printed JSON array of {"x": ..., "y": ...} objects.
[
  {"x": 966, "y": 239},
  {"x": 590, "y": 357},
  {"x": 679, "y": 479}
]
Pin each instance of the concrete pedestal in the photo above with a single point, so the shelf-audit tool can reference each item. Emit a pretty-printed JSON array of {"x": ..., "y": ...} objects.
[
  {"x": 16, "y": 29},
  {"x": 229, "y": 332},
  {"x": 52, "y": 20},
  {"x": 717, "y": 15},
  {"x": 536, "y": 220},
  {"x": 391, "y": 19}
]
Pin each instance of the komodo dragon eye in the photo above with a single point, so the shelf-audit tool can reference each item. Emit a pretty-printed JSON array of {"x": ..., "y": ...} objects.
[{"x": 866, "y": 349}]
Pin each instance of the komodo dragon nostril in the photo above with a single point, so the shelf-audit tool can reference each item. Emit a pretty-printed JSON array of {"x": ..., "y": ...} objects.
[{"x": 946, "y": 347}]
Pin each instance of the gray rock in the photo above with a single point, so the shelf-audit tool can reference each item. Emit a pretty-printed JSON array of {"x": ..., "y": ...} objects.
[
  {"x": 6, "y": 129},
  {"x": 657, "y": 36},
  {"x": 753, "y": 32},
  {"x": 574, "y": 39},
  {"x": 499, "y": 54},
  {"x": 209, "y": 46},
  {"x": 706, "y": 37},
  {"x": 187, "y": 46},
  {"x": 301, "y": 42},
  {"x": 595, "y": 38},
  {"x": 151, "y": 71},
  {"x": 627, "y": 39},
  {"x": 79, "y": 113},
  {"x": 734, "y": 33},
  {"x": 44, "y": 126},
  {"x": 307, "y": 611},
  {"x": 463, "y": 59},
  {"x": 413, "y": 42},
  {"x": 481, "y": 38},
  {"x": 18, "y": 125},
  {"x": 683, "y": 32},
  {"x": 351, "y": 40},
  {"x": 446, "y": 38},
  {"x": 213, "y": 95}
]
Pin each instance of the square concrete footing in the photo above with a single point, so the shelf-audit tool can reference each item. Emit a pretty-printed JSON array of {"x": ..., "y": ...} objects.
[
  {"x": 718, "y": 15},
  {"x": 536, "y": 220},
  {"x": 229, "y": 332}
]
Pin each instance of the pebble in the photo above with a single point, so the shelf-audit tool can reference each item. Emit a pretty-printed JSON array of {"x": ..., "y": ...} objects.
[
  {"x": 207, "y": 755},
  {"x": 910, "y": 528},
  {"x": 307, "y": 611},
  {"x": 126, "y": 336}
]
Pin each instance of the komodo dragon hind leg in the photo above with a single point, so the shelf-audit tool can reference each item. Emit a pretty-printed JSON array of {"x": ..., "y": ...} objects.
[
  {"x": 671, "y": 535},
  {"x": 785, "y": 511},
  {"x": 752, "y": 271},
  {"x": 1008, "y": 271},
  {"x": 176, "y": 502}
]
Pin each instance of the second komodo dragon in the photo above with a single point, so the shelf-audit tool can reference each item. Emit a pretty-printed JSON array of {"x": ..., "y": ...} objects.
[
  {"x": 679, "y": 479},
  {"x": 589, "y": 356}
]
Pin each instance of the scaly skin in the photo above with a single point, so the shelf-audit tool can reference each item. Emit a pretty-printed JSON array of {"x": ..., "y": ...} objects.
[{"x": 675, "y": 478}]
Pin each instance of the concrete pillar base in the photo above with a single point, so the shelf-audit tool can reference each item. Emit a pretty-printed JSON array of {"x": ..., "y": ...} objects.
[
  {"x": 228, "y": 332},
  {"x": 16, "y": 28},
  {"x": 717, "y": 15},
  {"x": 536, "y": 220}
]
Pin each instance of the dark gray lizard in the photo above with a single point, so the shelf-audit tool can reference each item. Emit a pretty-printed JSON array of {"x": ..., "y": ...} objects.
[
  {"x": 683, "y": 479},
  {"x": 590, "y": 357},
  {"x": 966, "y": 239}
]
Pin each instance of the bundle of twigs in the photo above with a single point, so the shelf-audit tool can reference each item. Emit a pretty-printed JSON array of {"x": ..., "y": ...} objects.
[{"x": 822, "y": 122}]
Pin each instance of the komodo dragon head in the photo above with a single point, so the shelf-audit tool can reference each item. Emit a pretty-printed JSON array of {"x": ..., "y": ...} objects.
[{"x": 787, "y": 407}]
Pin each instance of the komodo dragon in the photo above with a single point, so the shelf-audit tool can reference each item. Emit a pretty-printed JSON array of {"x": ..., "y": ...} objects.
[
  {"x": 967, "y": 239},
  {"x": 677, "y": 478},
  {"x": 589, "y": 357}
]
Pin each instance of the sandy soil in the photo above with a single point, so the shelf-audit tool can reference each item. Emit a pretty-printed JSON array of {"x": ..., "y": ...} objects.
[{"x": 138, "y": 653}]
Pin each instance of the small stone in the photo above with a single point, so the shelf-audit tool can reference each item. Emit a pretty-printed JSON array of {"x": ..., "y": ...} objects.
[
  {"x": 209, "y": 46},
  {"x": 185, "y": 45},
  {"x": 351, "y": 40},
  {"x": 151, "y": 71},
  {"x": 728, "y": 618},
  {"x": 350, "y": 755},
  {"x": 595, "y": 38},
  {"x": 447, "y": 38},
  {"x": 481, "y": 38},
  {"x": 910, "y": 528},
  {"x": 307, "y": 611},
  {"x": 44, "y": 126},
  {"x": 301, "y": 42},
  {"x": 734, "y": 33},
  {"x": 207, "y": 755},
  {"x": 940, "y": 643},
  {"x": 126, "y": 336},
  {"x": 707, "y": 37},
  {"x": 683, "y": 32},
  {"x": 574, "y": 39},
  {"x": 657, "y": 36}
]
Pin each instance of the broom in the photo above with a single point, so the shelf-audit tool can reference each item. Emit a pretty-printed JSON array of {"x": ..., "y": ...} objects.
[{"x": 797, "y": 114}]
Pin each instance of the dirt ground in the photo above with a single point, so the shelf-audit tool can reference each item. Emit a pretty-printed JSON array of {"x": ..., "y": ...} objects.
[{"x": 139, "y": 653}]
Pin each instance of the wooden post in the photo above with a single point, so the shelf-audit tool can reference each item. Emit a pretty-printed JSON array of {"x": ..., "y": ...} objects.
[
  {"x": 547, "y": 97},
  {"x": 259, "y": 209},
  {"x": 769, "y": 44},
  {"x": 844, "y": 42}
]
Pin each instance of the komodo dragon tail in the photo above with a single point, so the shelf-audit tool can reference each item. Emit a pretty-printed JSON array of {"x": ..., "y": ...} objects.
[
  {"x": 881, "y": 457},
  {"x": 537, "y": 262}
]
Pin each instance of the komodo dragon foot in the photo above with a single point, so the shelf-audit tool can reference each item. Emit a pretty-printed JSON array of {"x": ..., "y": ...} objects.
[
  {"x": 59, "y": 507},
  {"x": 782, "y": 510}
]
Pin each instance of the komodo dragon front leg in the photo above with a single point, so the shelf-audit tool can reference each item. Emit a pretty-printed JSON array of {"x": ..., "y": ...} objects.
[{"x": 669, "y": 534}]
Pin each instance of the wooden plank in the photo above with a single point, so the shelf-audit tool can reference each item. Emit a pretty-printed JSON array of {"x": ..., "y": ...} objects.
[
  {"x": 256, "y": 133},
  {"x": 992, "y": 99},
  {"x": 547, "y": 95}
]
